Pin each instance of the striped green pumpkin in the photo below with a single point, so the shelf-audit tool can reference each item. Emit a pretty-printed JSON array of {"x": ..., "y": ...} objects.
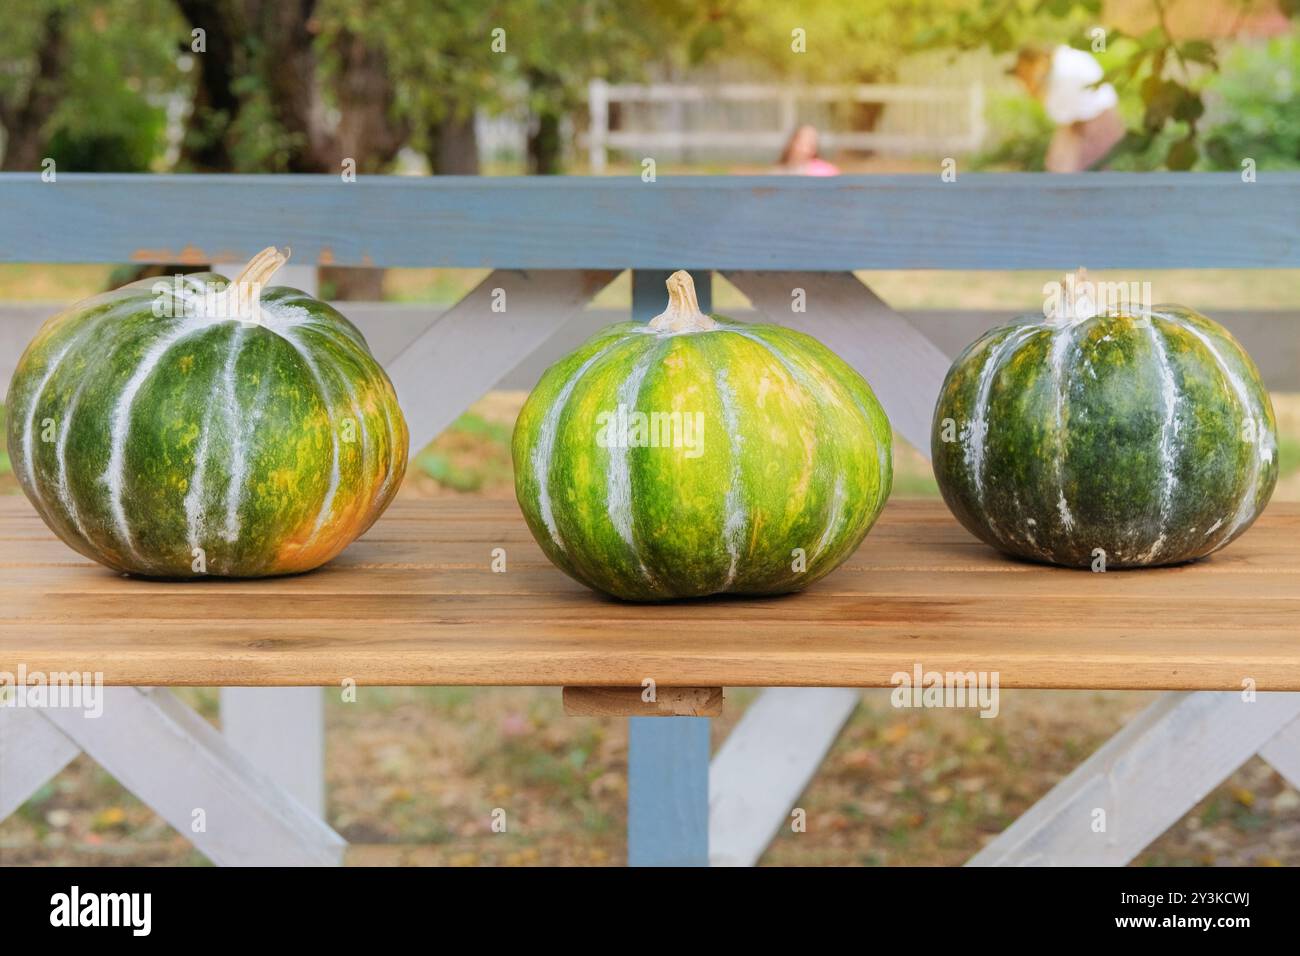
[
  {"x": 1125, "y": 439},
  {"x": 186, "y": 427},
  {"x": 772, "y": 471}
]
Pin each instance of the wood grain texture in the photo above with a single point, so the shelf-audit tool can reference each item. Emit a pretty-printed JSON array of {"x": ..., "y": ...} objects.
[
  {"x": 980, "y": 221},
  {"x": 415, "y": 602},
  {"x": 628, "y": 702}
]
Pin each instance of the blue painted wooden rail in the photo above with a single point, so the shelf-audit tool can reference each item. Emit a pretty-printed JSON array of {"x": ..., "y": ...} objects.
[
  {"x": 993, "y": 222},
  {"x": 1002, "y": 221}
]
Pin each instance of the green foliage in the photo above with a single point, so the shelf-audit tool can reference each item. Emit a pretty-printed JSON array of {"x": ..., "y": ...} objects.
[
  {"x": 1257, "y": 106},
  {"x": 856, "y": 40},
  {"x": 120, "y": 65},
  {"x": 1023, "y": 132}
]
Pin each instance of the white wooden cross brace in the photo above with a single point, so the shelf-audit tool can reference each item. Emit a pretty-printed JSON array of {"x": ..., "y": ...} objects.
[
  {"x": 1146, "y": 777},
  {"x": 178, "y": 765}
]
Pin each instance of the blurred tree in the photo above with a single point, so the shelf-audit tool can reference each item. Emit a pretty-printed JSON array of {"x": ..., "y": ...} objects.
[
  {"x": 558, "y": 47},
  {"x": 37, "y": 45},
  {"x": 1258, "y": 107},
  {"x": 87, "y": 84}
]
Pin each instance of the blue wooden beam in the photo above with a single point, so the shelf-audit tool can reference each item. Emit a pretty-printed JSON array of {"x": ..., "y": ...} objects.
[
  {"x": 668, "y": 791},
  {"x": 980, "y": 221}
]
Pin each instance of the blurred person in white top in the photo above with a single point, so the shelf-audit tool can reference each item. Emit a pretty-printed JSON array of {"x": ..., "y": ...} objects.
[{"x": 1085, "y": 111}]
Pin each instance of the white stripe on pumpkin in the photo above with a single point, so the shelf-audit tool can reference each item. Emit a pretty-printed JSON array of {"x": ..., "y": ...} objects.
[
  {"x": 976, "y": 440},
  {"x": 198, "y": 482},
  {"x": 119, "y": 429},
  {"x": 1247, "y": 507},
  {"x": 737, "y": 519},
  {"x": 545, "y": 447},
  {"x": 30, "y": 422},
  {"x": 1168, "y": 432},
  {"x": 618, "y": 479}
]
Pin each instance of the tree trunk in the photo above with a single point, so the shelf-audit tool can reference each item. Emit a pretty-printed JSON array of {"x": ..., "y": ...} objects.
[
  {"x": 206, "y": 145},
  {"x": 25, "y": 139},
  {"x": 454, "y": 151},
  {"x": 544, "y": 145}
]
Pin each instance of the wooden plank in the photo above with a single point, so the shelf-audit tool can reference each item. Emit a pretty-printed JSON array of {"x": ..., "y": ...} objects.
[
  {"x": 179, "y": 765},
  {"x": 904, "y": 368},
  {"x": 766, "y": 763},
  {"x": 668, "y": 791},
  {"x": 865, "y": 613},
  {"x": 1283, "y": 752},
  {"x": 444, "y": 370},
  {"x": 281, "y": 732},
  {"x": 416, "y": 602},
  {"x": 1141, "y": 781},
  {"x": 630, "y": 702},
  {"x": 32, "y": 751},
  {"x": 980, "y": 221}
]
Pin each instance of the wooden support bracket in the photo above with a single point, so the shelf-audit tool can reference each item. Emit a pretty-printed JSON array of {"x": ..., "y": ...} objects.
[{"x": 627, "y": 702}]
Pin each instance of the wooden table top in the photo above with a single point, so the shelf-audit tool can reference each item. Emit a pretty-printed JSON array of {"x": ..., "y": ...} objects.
[{"x": 416, "y": 602}]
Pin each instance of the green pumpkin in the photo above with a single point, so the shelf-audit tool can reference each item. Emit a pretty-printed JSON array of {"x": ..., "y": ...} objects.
[
  {"x": 190, "y": 426},
  {"x": 696, "y": 455},
  {"x": 1125, "y": 439}
]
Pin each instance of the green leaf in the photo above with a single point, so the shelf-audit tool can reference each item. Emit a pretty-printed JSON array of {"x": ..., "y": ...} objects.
[
  {"x": 1220, "y": 152},
  {"x": 1197, "y": 51},
  {"x": 1182, "y": 155},
  {"x": 1162, "y": 98},
  {"x": 1189, "y": 108}
]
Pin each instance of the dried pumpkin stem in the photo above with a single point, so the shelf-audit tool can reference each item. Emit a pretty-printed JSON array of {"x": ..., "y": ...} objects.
[
  {"x": 245, "y": 290},
  {"x": 683, "y": 313},
  {"x": 1076, "y": 301}
]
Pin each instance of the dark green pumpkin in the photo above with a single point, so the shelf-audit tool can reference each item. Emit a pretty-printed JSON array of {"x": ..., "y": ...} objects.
[
  {"x": 783, "y": 473},
  {"x": 179, "y": 428},
  {"x": 1115, "y": 440}
]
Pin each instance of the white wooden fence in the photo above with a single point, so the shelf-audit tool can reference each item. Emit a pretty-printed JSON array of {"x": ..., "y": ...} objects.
[{"x": 917, "y": 119}]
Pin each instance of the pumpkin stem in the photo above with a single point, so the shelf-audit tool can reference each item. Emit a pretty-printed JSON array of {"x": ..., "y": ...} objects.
[
  {"x": 245, "y": 290},
  {"x": 683, "y": 313},
  {"x": 1076, "y": 301}
]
